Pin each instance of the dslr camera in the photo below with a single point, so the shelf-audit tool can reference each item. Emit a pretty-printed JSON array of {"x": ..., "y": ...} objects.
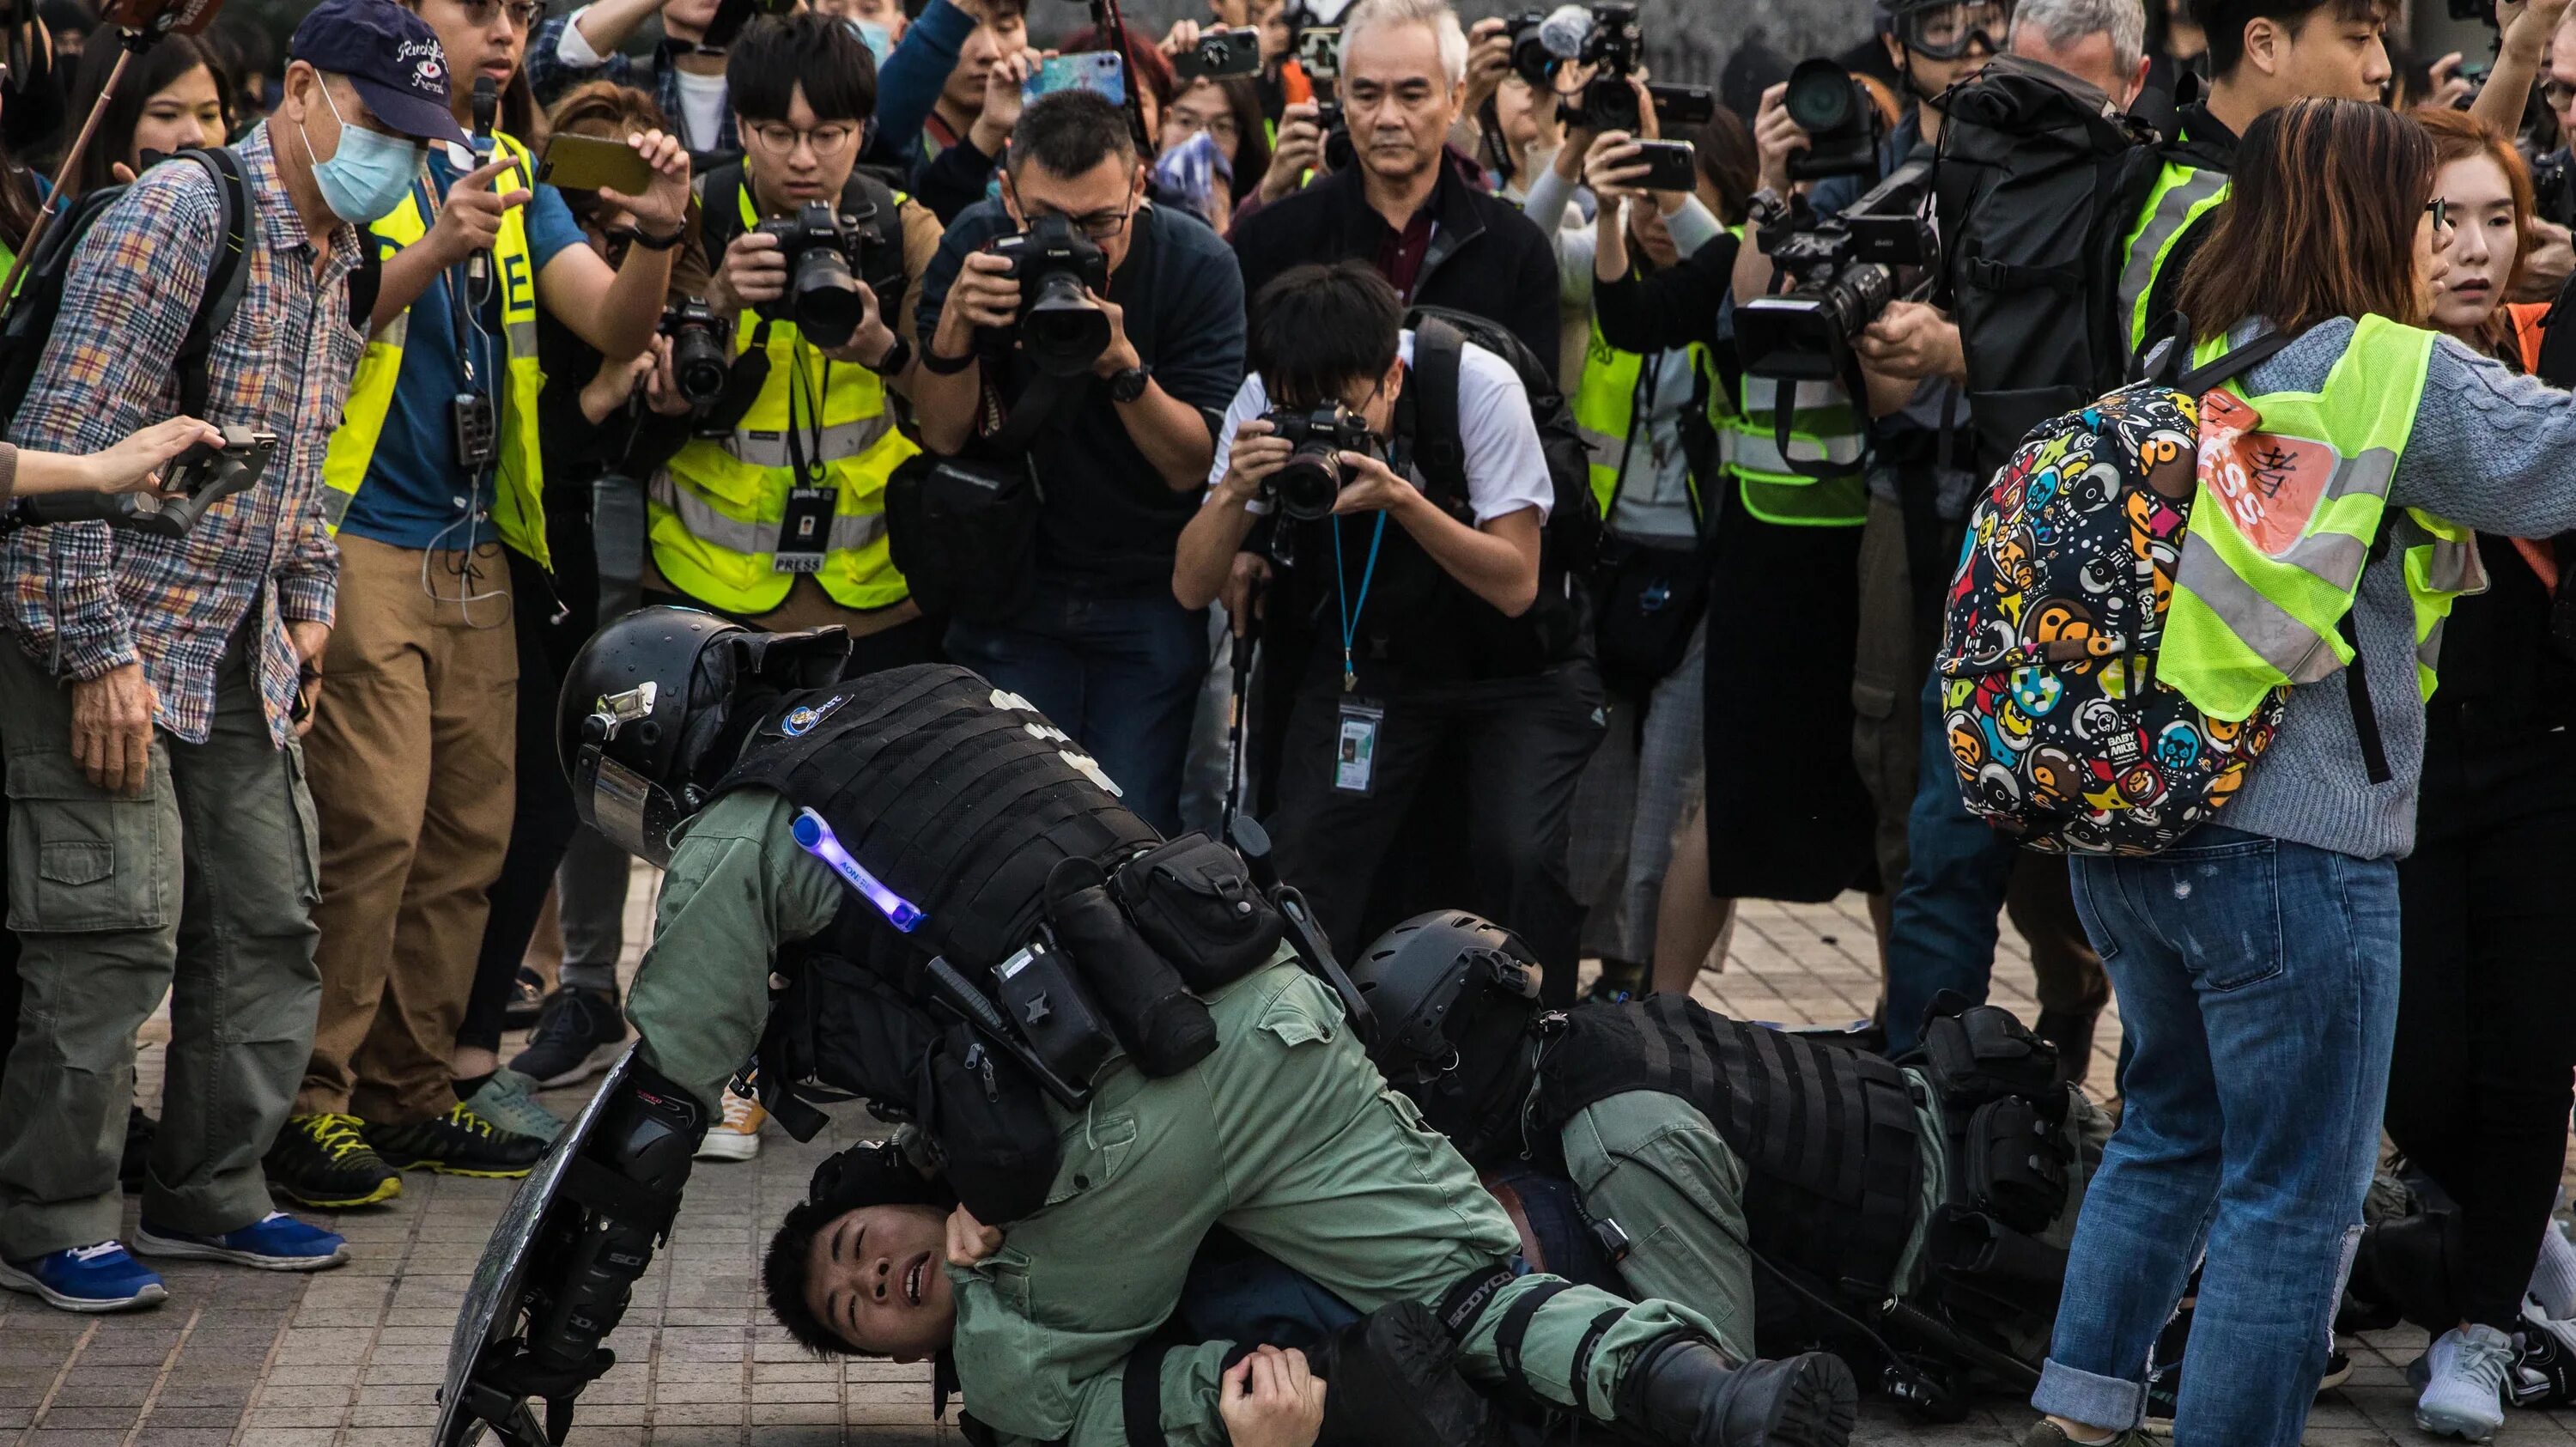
[
  {"x": 1841, "y": 121},
  {"x": 701, "y": 358},
  {"x": 823, "y": 249},
  {"x": 1608, "y": 38},
  {"x": 1306, "y": 484},
  {"x": 1061, "y": 328},
  {"x": 1844, "y": 273}
]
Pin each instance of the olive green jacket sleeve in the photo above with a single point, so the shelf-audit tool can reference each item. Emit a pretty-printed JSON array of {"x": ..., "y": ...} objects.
[{"x": 737, "y": 888}]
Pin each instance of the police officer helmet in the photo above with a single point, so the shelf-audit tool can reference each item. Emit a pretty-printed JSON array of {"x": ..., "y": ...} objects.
[
  {"x": 657, "y": 703},
  {"x": 1430, "y": 978}
]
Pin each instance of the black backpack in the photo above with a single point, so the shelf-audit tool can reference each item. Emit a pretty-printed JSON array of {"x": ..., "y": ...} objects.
[
  {"x": 1573, "y": 538},
  {"x": 30, "y": 319},
  {"x": 2039, "y": 181}
]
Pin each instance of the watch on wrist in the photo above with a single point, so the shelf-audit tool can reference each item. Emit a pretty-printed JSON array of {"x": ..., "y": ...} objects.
[
  {"x": 1129, "y": 383},
  {"x": 650, "y": 242},
  {"x": 893, "y": 361},
  {"x": 940, "y": 366}
]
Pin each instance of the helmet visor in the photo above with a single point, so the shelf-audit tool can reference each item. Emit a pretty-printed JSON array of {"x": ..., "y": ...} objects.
[
  {"x": 1947, "y": 32},
  {"x": 634, "y": 813}
]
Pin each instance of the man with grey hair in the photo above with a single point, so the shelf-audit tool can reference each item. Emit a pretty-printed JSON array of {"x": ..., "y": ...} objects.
[{"x": 2100, "y": 42}]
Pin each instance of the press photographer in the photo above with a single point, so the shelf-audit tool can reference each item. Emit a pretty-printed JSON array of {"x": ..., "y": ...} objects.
[
  {"x": 1438, "y": 636},
  {"x": 1083, "y": 342}
]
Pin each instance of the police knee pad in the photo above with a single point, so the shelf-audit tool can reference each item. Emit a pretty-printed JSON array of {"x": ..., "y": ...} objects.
[{"x": 1391, "y": 1380}]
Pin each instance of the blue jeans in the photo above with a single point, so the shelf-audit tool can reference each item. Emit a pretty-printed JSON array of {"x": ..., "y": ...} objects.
[
  {"x": 2257, "y": 980},
  {"x": 1119, "y": 671}
]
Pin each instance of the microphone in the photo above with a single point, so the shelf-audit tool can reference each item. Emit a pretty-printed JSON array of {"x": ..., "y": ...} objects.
[
  {"x": 1565, "y": 31},
  {"x": 487, "y": 105}
]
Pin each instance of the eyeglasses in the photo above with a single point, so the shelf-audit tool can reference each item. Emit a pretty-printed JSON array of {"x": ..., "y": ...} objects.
[
  {"x": 828, "y": 141},
  {"x": 1097, "y": 225},
  {"x": 524, "y": 14},
  {"x": 1222, "y": 127},
  {"x": 2439, "y": 208}
]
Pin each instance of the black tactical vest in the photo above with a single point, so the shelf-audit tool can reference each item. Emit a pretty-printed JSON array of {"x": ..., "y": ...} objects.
[{"x": 1828, "y": 1135}]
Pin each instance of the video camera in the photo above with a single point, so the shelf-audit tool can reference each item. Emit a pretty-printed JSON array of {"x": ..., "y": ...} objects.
[
  {"x": 701, "y": 360},
  {"x": 1306, "y": 484},
  {"x": 202, "y": 476},
  {"x": 1843, "y": 273},
  {"x": 1063, "y": 330},
  {"x": 1608, "y": 38},
  {"x": 822, "y": 248}
]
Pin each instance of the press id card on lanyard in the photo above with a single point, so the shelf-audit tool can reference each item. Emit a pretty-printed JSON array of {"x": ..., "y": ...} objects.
[
  {"x": 1355, "y": 747},
  {"x": 806, "y": 529}
]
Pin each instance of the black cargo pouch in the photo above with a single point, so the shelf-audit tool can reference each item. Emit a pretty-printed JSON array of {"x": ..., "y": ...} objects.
[
  {"x": 963, "y": 532},
  {"x": 989, "y": 1118},
  {"x": 2016, "y": 1164},
  {"x": 839, "y": 1026},
  {"x": 1982, "y": 1053},
  {"x": 1194, "y": 901},
  {"x": 1988, "y": 1269}
]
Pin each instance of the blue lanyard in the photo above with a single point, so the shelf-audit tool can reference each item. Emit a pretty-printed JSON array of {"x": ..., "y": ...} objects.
[{"x": 1350, "y": 609}]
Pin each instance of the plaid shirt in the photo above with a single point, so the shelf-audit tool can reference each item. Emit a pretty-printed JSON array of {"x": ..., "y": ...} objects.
[
  {"x": 550, "y": 75},
  {"x": 85, "y": 600}
]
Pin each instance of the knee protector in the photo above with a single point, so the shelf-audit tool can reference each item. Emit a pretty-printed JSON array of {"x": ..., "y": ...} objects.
[{"x": 628, "y": 1177}]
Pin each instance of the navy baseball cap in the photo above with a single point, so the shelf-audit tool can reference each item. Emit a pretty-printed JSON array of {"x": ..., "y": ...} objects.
[{"x": 391, "y": 56}]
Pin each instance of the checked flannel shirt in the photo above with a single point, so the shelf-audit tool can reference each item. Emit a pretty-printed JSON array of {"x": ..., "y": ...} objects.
[
  {"x": 550, "y": 75},
  {"x": 84, "y": 600}
]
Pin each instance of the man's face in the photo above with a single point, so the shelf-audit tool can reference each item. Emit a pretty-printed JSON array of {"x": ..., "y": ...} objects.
[
  {"x": 1398, "y": 99},
  {"x": 798, "y": 158},
  {"x": 2560, "y": 88},
  {"x": 2323, "y": 56},
  {"x": 688, "y": 19},
  {"x": 874, "y": 1277},
  {"x": 1101, "y": 202},
  {"x": 318, "y": 109},
  {"x": 2089, "y": 60},
  {"x": 481, "y": 37},
  {"x": 1002, "y": 30}
]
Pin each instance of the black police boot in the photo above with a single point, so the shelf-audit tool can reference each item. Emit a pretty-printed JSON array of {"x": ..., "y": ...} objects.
[
  {"x": 1683, "y": 1391},
  {"x": 1393, "y": 1382}
]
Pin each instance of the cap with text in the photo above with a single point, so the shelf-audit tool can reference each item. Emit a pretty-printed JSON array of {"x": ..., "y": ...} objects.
[{"x": 391, "y": 56}]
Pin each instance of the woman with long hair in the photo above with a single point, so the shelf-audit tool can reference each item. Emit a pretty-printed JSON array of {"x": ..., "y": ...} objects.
[
  {"x": 175, "y": 95},
  {"x": 2256, "y": 963}
]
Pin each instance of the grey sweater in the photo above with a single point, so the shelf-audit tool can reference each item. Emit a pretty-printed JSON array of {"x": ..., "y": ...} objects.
[{"x": 2491, "y": 449}]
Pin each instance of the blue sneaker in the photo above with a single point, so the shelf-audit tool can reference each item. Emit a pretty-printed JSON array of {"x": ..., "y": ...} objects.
[
  {"x": 274, "y": 1242},
  {"x": 86, "y": 1278}
]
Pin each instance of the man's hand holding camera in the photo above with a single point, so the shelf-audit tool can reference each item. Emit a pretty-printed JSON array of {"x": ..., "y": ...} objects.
[
  {"x": 1776, "y": 138},
  {"x": 1911, "y": 341},
  {"x": 1258, "y": 452},
  {"x": 1299, "y": 149},
  {"x": 1369, "y": 485},
  {"x": 985, "y": 294}
]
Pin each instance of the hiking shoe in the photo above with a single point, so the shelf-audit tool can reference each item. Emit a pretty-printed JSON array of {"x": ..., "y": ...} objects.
[
  {"x": 274, "y": 1242},
  {"x": 324, "y": 1162},
  {"x": 527, "y": 1000},
  {"x": 2045, "y": 1433},
  {"x": 2468, "y": 1368},
  {"x": 737, "y": 1136},
  {"x": 459, "y": 1143},
  {"x": 579, "y": 1036},
  {"x": 86, "y": 1278},
  {"x": 509, "y": 1100},
  {"x": 137, "y": 1158}
]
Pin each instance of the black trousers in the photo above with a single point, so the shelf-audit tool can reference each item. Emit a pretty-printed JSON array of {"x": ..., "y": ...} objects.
[
  {"x": 2478, "y": 1092},
  {"x": 1522, "y": 743}
]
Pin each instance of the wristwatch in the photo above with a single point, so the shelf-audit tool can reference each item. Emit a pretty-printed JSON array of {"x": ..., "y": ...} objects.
[
  {"x": 650, "y": 242},
  {"x": 939, "y": 366},
  {"x": 893, "y": 361},
  {"x": 1129, "y": 384}
]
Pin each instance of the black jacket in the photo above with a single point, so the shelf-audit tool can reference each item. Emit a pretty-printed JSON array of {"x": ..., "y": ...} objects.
[{"x": 1486, "y": 258}]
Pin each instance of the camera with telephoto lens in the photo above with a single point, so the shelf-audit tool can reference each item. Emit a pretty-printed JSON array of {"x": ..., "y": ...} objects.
[
  {"x": 700, "y": 358},
  {"x": 1061, "y": 328},
  {"x": 1843, "y": 273},
  {"x": 1306, "y": 484},
  {"x": 822, "y": 248},
  {"x": 1842, "y": 122},
  {"x": 1335, "y": 127},
  {"x": 1607, "y": 38}
]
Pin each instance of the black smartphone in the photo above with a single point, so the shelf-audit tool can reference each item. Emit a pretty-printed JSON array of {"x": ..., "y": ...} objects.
[
  {"x": 1220, "y": 53},
  {"x": 591, "y": 163},
  {"x": 1670, "y": 166}
]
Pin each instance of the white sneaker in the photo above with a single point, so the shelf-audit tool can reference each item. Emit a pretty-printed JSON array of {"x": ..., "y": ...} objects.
[
  {"x": 2464, "y": 1388},
  {"x": 737, "y": 1136}
]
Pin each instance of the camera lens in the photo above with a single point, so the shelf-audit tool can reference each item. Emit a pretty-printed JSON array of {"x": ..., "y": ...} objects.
[
  {"x": 1063, "y": 330},
  {"x": 1308, "y": 481},
  {"x": 698, "y": 361},
  {"x": 1858, "y": 294},
  {"x": 824, "y": 297},
  {"x": 1822, "y": 97}
]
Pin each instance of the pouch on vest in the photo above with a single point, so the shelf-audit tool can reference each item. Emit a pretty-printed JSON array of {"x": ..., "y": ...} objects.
[
  {"x": 1047, "y": 1002},
  {"x": 990, "y": 1121},
  {"x": 1977, "y": 1259},
  {"x": 1982, "y": 1054},
  {"x": 1195, "y": 902},
  {"x": 1165, "y": 1027},
  {"x": 840, "y": 1025},
  {"x": 2015, "y": 1165}
]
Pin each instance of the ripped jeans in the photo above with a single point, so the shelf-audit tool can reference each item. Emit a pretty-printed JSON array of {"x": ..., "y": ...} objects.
[{"x": 2257, "y": 981}]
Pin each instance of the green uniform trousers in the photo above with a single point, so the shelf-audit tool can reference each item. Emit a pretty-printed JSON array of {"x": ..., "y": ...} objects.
[{"x": 1288, "y": 1136}]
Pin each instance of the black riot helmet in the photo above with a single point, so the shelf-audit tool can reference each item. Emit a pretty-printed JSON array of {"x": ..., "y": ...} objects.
[
  {"x": 1456, "y": 998},
  {"x": 658, "y": 703}
]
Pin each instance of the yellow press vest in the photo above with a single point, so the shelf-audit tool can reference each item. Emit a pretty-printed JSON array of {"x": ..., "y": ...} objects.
[
  {"x": 1605, "y": 413},
  {"x": 2293, "y": 487},
  {"x": 717, "y": 507},
  {"x": 518, "y": 507},
  {"x": 2181, "y": 196}
]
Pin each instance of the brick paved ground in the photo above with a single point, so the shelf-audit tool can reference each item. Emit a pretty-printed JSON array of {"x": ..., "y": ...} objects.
[{"x": 351, "y": 1358}]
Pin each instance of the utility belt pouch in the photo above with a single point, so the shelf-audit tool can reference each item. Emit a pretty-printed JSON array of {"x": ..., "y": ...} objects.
[
  {"x": 1164, "y": 1027},
  {"x": 1992, "y": 1269},
  {"x": 1982, "y": 1053},
  {"x": 1195, "y": 902},
  {"x": 1648, "y": 599},
  {"x": 2015, "y": 1164},
  {"x": 996, "y": 1140},
  {"x": 1048, "y": 1004}
]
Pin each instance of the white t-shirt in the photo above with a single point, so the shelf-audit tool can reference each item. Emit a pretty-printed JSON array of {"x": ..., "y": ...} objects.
[
  {"x": 1506, "y": 471},
  {"x": 702, "y": 97}
]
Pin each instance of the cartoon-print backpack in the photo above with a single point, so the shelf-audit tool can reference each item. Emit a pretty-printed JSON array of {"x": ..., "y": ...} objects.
[{"x": 2061, "y": 732}]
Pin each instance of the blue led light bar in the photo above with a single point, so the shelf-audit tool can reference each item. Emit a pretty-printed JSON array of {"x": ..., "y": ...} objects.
[{"x": 815, "y": 838}]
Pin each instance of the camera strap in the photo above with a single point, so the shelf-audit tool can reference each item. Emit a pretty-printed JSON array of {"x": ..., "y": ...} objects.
[{"x": 1342, "y": 593}]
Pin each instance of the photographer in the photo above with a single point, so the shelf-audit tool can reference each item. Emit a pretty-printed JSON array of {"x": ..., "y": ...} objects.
[
  {"x": 436, "y": 471},
  {"x": 1437, "y": 238},
  {"x": 156, "y": 697},
  {"x": 1439, "y": 652},
  {"x": 1099, "y": 643}
]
